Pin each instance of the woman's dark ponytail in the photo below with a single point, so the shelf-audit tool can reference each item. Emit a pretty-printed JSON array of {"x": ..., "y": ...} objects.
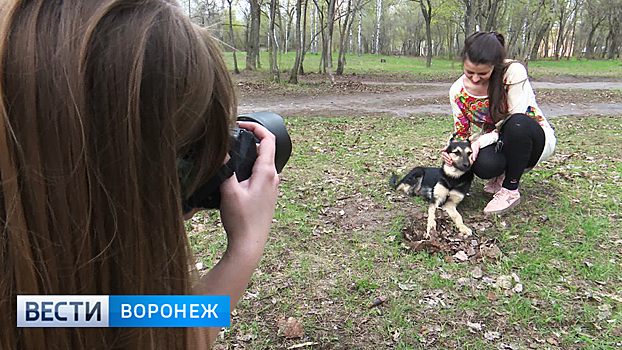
[{"x": 489, "y": 48}]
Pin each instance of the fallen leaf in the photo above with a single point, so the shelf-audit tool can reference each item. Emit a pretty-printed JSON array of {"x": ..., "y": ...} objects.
[
  {"x": 493, "y": 297},
  {"x": 378, "y": 301},
  {"x": 504, "y": 281},
  {"x": 430, "y": 246},
  {"x": 488, "y": 280},
  {"x": 491, "y": 251},
  {"x": 290, "y": 327},
  {"x": 302, "y": 345},
  {"x": 463, "y": 281},
  {"x": 396, "y": 335},
  {"x": 471, "y": 251},
  {"x": 492, "y": 335},
  {"x": 461, "y": 256},
  {"x": 475, "y": 326},
  {"x": 407, "y": 286},
  {"x": 477, "y": 272},
  {"x": 245, "y": 337},
  {"x": 552, "y": 341}
]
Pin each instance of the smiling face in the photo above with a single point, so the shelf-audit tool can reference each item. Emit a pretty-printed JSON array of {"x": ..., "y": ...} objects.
[{"x": 478, "y": 74}]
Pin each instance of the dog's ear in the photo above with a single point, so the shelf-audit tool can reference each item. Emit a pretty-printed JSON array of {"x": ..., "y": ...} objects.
[
  {"x": 454, "y": 137},
  {"x": 474, "y": 137}
]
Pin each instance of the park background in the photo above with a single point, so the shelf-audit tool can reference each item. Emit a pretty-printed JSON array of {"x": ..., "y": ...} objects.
[
  {"x": 558, "y": 29},
  {"x": 345, "y": 267}
]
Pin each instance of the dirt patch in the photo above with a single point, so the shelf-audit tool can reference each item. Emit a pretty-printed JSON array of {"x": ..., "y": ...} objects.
[
  {"x": 550, "y": 96},
  {"x": 447, "y": 241}
]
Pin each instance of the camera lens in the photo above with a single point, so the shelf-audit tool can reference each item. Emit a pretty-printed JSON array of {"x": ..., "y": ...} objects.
[{"x": 243, "y": 153}]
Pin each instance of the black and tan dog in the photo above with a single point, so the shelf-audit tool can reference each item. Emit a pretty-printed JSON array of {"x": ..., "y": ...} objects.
[{"x": 443, "y": 187}]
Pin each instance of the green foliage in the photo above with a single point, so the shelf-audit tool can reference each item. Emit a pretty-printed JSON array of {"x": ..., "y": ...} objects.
[{"x": 441, "y": 68}]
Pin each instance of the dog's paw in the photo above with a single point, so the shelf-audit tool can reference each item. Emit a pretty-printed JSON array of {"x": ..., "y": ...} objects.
[
  {"x": 429, "y": 231},
  {"x": 427, "y": 235},
  {"x": 465, "y": 231}
]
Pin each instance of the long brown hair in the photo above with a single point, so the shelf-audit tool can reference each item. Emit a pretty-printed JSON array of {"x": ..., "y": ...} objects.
[
  {"x": 489, "y": 48},
  {"x": 98, "y": 100}
]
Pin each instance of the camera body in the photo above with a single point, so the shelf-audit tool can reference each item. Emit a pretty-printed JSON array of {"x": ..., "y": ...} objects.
[{"x": 243, "y": 153}]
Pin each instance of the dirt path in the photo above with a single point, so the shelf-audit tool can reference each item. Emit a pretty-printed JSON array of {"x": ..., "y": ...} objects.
[{"x": 569, "y": 99}]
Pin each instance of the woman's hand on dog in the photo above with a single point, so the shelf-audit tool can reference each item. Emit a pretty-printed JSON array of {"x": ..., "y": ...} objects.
[
  {"x": 446, "y": 157},
  {"x": 475, "y": 149}
]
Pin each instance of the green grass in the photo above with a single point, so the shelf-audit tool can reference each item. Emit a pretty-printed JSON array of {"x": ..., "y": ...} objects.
[
  {"x": 577, "y": 67},
  {"x": 441, "y": 68},
  {"x": 337, "y": 244}
]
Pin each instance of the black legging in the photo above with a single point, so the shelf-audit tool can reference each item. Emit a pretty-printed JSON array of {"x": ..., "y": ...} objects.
[{"x": 521, "y": 142}]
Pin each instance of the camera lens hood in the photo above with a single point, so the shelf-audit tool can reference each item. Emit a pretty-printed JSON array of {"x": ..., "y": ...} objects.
[{"x": 275, "y": 124}]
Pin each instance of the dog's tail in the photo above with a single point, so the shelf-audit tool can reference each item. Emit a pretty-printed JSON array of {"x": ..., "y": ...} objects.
[{"x": 393, "y": 181}]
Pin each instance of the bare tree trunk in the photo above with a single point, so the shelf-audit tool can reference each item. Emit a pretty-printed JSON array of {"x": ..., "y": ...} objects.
[
  {"x": 589, "y": 47},
  {"x": 468, "y": 17},
  {"x": 303, "y": 44},
  {"x": 613, "y": 47},
  {"x": 360, "y": 45},
  {"x": 378, "y": 25},
  {"x": 426, "y": 10},
  {"x": 568, "y": 37},
  {"x": 314, "y": 39},
  {"x": 273, "y": 47},
  {"x": 252, "y": 45},
  {"x": 320, "y": 12},
  {"x": 544, "y": 29},
  {"x": 351, "y": 37},
  {"x": 236, "y": 70},
  {"x": 571, "y": 44},
  {"x": 345, "y": 29},
  {"x": 532, "y": 33},
  {"x": 287, "y": 28},
  {"x": 562, "y": 18},
  {"x": 491, "y": 21},
  {"x": 328, "y": 46},
  {"x": 293, "y": 78}
]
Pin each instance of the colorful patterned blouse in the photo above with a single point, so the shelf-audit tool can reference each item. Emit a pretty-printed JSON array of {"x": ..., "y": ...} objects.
[{"x": 471, "y": 110}]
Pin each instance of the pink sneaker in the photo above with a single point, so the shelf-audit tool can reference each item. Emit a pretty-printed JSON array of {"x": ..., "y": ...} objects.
[
  {"x": 493, "y": 185},
  {"x": 503, "y": 201}
]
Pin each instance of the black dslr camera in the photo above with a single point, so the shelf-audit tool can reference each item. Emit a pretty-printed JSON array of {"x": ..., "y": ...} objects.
[{"x": 243, "y": 153}]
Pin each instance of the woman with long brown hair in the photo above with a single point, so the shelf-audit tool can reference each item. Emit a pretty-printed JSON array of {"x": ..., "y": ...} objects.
[
  {"x": 494, "y": 94},
  {"x": 99, "y": 99}
]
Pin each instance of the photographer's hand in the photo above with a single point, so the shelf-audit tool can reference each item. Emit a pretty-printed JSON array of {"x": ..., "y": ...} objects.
[
  {"x": 246, "y": 211},
  {"x": 247, "y": 208}
]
